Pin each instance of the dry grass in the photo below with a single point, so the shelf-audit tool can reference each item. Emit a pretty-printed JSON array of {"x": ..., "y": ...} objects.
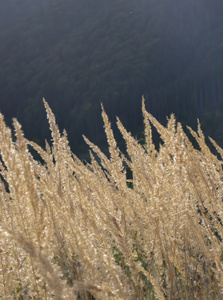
[{"x": 70, "y": 230}]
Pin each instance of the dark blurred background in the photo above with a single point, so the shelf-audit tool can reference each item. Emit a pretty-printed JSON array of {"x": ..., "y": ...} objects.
[{"x": 78, "y": 53}]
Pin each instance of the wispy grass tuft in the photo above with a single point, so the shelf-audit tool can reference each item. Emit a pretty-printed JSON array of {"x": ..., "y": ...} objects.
[{"x": 74, "y": 230}]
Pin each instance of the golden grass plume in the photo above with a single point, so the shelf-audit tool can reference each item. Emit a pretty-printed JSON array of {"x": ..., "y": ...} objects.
[{"x": 74, "y": 230}]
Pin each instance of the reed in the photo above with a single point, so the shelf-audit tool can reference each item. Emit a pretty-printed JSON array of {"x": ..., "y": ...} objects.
[{"x": 74, "y": 230}]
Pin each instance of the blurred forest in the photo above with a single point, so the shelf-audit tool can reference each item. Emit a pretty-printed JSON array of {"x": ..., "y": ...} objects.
[{"x": 78, "y": 53}]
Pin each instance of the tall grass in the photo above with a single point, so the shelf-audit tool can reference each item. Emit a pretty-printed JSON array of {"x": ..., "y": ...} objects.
[{"x": 70, "y": 230}]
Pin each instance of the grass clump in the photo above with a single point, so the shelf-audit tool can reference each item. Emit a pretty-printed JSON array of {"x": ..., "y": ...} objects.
[{"x": 70, "y": 230}]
